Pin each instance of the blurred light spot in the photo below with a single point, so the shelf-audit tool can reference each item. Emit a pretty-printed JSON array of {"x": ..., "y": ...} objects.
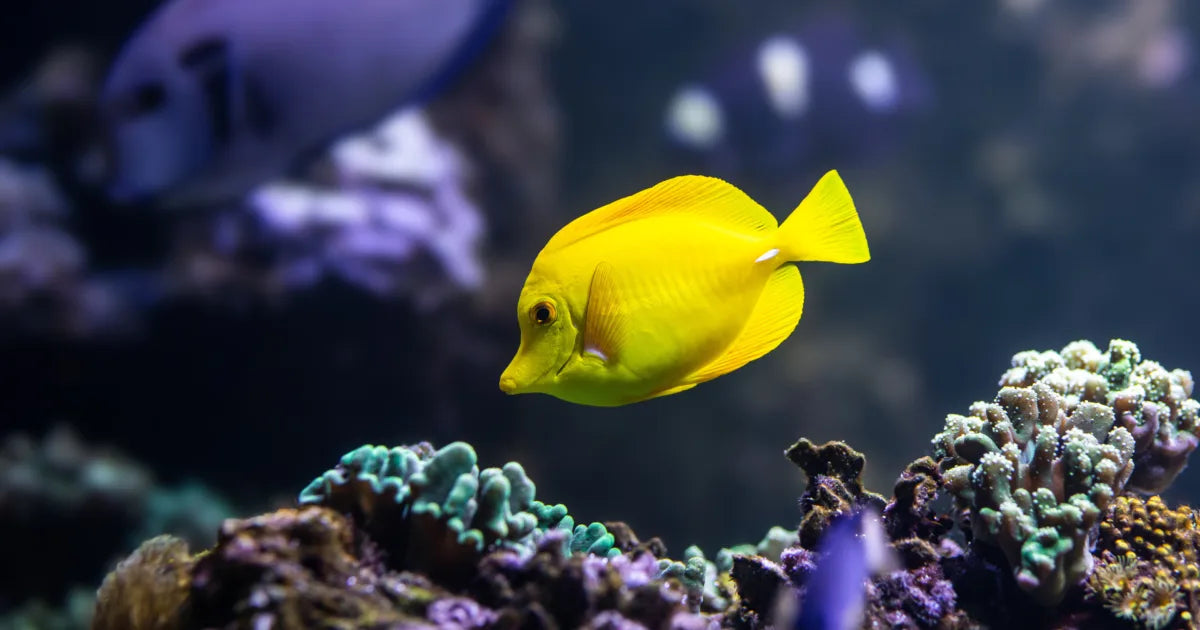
[
  {"x": 1022, "y": 8},
  {"x": 694, "y": 117},
  {"x": 874, "y": 80},
  {"x": 1164, "y": 59},
  {"x": 783, "y": 67}
]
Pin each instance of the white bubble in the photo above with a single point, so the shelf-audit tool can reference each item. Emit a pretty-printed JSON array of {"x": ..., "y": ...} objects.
[
  {"x": 874, "y": 80},
  {"x": 784, "y": 70},
  {"x": 694, "y": 117}
]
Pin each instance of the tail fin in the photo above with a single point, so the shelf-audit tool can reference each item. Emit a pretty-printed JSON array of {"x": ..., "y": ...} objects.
[{"x": 825, "y": 226}]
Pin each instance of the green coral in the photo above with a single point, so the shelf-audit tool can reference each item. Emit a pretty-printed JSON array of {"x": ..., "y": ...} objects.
[
  {"x": 1038, "y": 467},
  {"x": 436, "y": 511}
]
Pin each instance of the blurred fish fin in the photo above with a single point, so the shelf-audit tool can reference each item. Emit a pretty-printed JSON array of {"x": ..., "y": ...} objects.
[
  {"x": 488, "y": 24},
  {"x": 853, "y": 548},
  {"x": 604, "y": 330},
  {"x": 706, "y": 198},
  {"x": 881, "y": 558},
  {"x": 825, "y": 226},
  {"x": 772, "y": 320}
]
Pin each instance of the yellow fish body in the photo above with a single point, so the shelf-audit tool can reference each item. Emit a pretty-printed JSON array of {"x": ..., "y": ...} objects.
[{"x": 670, "y": 287}]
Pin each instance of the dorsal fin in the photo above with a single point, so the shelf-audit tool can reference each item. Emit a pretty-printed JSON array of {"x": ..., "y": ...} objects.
[
  {"x": 774, "y": 317},
  {"x": 604, "y": 323},
  {"x": 706, "y": 198}
]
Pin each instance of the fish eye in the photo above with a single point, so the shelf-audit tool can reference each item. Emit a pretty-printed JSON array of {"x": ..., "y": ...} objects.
[{"x": 543, "y": 313}]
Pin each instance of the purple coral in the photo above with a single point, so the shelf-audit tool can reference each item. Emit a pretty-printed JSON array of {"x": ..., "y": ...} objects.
[
  {"x": 919, "y": 597},
  {"x": 635, "y": 569},
  {"x": 400, "y": 196},
  {"x": 459, "y": 613}
]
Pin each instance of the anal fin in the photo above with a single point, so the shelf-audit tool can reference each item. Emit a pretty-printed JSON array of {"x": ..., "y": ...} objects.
[{"x": 773, "y": 319}]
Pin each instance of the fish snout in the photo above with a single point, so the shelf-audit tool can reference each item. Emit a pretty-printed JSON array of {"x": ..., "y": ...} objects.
[{"x": 508, "y": 384}]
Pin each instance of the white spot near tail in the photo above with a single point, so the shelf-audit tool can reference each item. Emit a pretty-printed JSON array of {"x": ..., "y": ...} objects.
[
  {"x": 596, "y": 353},
  {"x": 767, "y": 256}
]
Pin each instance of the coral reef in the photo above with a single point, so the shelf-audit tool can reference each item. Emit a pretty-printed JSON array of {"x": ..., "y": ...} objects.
[
  {"x": 1042, "y": 489},
  {"x": 436, "y": 512},
  {"x": 75, "y": 613},
  {"x": 1067, "y": 432},
  {"x": 52, "y": 491},
  {"x": 834, "y": 473},
  {"x": 1147, "y": 570},
  {"x": 1154, "y": 405},
  {"x": 149, "y": 589},
  {"x": 492, "y": 557}
]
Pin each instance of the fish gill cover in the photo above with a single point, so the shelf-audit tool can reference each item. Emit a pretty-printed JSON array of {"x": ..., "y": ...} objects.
[{"x": 1048, "y": 528}]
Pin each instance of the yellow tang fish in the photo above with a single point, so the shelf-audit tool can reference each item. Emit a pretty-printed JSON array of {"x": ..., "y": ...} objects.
[{"x": 670, "y": 287}]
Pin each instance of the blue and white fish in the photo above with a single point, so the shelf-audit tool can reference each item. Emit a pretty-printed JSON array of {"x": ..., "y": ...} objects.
[
  {"x": 211, "y": 97},
  {"x": 825, "y": 88}
]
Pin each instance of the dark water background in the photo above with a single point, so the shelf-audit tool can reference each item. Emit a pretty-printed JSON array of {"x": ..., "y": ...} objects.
[{"x": 1041, "y": 199}]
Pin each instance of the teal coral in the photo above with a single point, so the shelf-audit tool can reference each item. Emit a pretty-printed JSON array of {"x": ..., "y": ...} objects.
[
  {"x": 1038, "y": 467},
  {"x": 435, "y": 510}
]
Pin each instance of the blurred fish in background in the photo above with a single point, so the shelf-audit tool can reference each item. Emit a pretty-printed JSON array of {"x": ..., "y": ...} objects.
[
  {"x": 827, "y": 88},
  {"x": 333, "y": 176},
  {"x": 242, "y": 118},
  {"x": 210, "y": 98}
]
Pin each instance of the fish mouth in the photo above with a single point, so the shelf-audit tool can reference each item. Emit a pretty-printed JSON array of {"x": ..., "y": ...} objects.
[{"x": 508, "y": 384}]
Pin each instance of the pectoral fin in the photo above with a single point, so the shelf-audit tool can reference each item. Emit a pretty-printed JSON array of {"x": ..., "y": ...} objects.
[{"x": 605, "y": 323}]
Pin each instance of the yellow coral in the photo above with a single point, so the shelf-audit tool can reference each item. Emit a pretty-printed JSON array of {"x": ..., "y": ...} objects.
[{"x": 1147, "y": 570}]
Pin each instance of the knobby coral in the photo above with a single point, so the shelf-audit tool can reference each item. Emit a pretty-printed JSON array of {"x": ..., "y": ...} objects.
[
  {"x": 436, "y": 512},
  {"x": 1037, "y": 468}
]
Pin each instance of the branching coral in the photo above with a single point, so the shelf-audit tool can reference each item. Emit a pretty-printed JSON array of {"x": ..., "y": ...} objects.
[
  {"x": 1150, "y": 402},
  {"x": 1038, "y": 467},
  {"x": 435, "y": 511}
]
